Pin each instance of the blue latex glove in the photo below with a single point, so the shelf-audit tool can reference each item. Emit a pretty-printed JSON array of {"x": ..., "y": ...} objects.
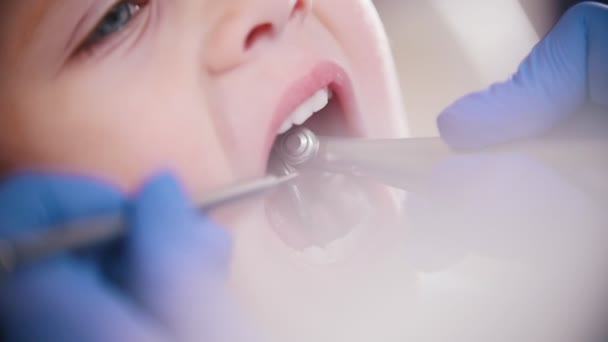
[
  {"x": 501, "y": 205},
  {"x": 173, "y": 266},
  {"x": 565, "y": 71}
]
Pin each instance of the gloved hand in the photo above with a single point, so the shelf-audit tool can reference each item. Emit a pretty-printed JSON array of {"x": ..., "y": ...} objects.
[
  {"x": 512, "y": 204},
  {"x": 565, "y": 71},
  {"x": 167, "y": 276}
]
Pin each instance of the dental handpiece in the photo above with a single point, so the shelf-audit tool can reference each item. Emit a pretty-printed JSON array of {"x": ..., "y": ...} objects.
[
  {"x": 406, "y": 163},
  {"x": 395, "y": 162}
]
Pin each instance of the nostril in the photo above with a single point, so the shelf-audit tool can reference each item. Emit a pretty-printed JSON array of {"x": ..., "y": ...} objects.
[
  {"x": 257, "y": 33},
  {"x": 298, "y": 7},
  {"x": 276, "y": 24}
]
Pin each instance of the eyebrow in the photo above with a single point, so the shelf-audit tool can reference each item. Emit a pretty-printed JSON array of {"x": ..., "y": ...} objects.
[
  {"x": 22, "y": 19},
  {"x": 49, "y": 19},
  {"x": 33, "y": 17}
]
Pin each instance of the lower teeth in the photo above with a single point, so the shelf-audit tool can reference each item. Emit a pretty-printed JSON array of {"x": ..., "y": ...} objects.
[
  {"x": 331, "y": 253},
  {"x": 334, "y": 206}
]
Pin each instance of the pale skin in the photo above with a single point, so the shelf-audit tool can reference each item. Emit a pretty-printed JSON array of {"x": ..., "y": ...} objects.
[
  {"x": 183, "y": 69},
  {"x": 191, "y": 86}
]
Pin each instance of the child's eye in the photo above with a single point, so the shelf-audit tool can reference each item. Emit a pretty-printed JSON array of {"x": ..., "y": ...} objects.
[{"x": 115, "y": 20}]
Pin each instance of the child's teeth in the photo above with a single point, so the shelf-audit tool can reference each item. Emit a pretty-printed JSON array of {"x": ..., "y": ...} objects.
[
  {"x": 332, "y": 253},
  {"x": 303, "y": 113},
  {"x": 320, "y": 100},
  {"x": 314, "y": 104},
  {"x": 285, "y": 127}
]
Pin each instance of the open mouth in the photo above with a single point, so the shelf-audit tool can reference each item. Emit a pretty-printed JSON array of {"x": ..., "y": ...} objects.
[{"x": 321, "y": 216}]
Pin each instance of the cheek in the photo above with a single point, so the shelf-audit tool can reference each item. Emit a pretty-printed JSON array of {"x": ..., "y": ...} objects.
[
  {"x": 243, "y": 113},
  {"x": 124, "y": 135}
]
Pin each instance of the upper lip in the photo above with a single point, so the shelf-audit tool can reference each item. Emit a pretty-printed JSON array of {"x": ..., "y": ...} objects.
[{"x": 324, "y": 74}]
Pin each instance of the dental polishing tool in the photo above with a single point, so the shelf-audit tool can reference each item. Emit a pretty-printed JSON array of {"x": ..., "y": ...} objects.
[{"x": 405, "y": 163}]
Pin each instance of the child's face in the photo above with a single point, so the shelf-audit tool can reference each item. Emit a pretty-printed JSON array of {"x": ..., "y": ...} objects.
[{"x": 200, "y": 87}]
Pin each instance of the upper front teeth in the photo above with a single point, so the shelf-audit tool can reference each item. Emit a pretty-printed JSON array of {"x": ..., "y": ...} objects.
[{"x": 314, "y": 104}]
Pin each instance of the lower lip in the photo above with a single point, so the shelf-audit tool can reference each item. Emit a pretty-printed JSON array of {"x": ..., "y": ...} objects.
[{"x": 325, "y": 74}]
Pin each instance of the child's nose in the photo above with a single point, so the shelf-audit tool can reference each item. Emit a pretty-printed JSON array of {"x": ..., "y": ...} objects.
[{"x": 245, "y": 24}]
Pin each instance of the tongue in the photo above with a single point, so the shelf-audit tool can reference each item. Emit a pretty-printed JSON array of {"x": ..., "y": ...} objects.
[{"x": 318, "y": 209}]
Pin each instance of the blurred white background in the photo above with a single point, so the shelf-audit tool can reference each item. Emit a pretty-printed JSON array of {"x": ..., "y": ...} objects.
[{"x": 445, "y": 48}]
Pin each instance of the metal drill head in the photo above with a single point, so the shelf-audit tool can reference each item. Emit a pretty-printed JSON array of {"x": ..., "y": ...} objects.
[{"x": 297, "y": 146}]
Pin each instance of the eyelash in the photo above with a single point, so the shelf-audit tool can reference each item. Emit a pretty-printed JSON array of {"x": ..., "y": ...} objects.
[{"x": 104, "y": 31}]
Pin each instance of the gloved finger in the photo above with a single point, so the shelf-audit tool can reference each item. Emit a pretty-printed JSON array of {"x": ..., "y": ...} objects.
[
  {"x": 67, "y": 301},
  {"x": 565, "y": 70},
  {"x": 178, "y": 261},
  {"x": 36, "y": 201},
  {"x": 62, "y": 299}
]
